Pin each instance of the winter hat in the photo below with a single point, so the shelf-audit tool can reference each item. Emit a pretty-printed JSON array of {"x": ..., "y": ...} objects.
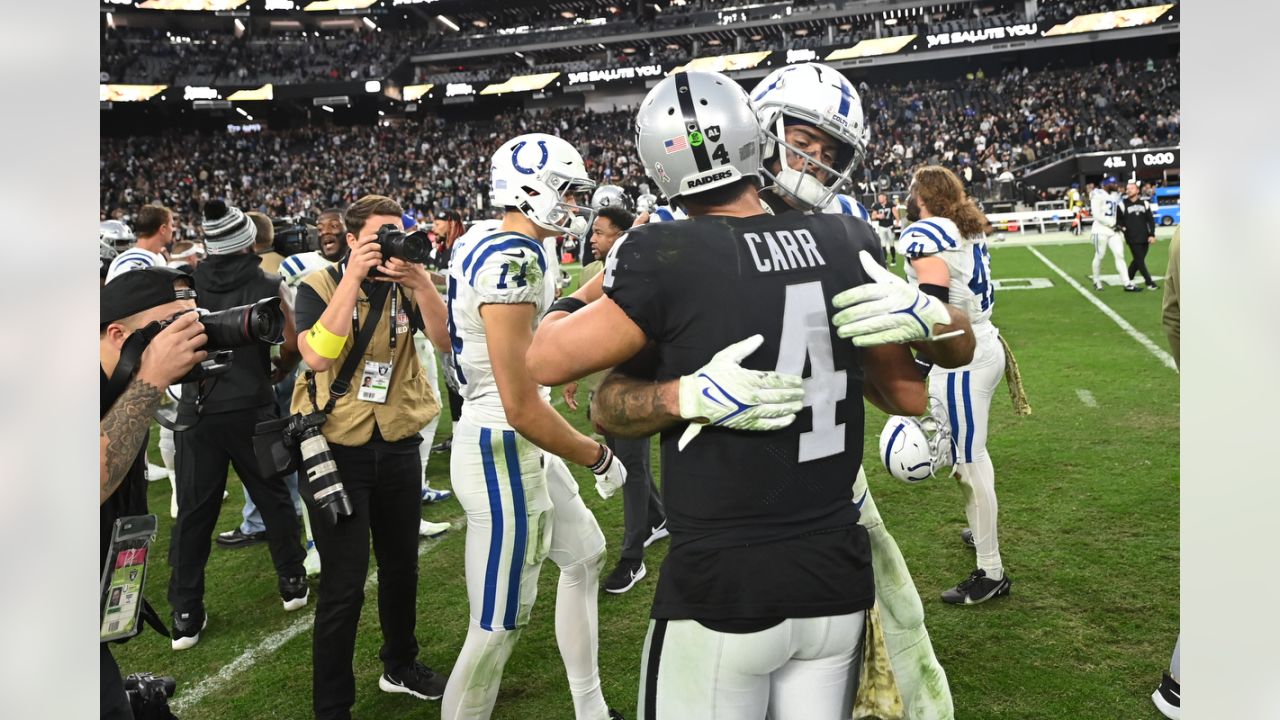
[{"x": 226, "y": 229}]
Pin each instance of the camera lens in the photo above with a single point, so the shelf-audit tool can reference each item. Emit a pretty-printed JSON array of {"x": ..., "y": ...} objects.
[
  {"x": 261, "y": 322},
  {"x": 416, "y": 247}
]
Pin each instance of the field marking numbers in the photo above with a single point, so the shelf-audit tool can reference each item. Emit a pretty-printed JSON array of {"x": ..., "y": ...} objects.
[
  {"x": 275, "y": 641},
  {"x": 1133, "y": 332},
  {"x": 1087, "y": 398}
]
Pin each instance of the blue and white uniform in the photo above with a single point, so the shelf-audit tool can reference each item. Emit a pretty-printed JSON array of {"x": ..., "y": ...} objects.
[
  {"x": 961, "y": 397},
  {"x": 1104, "y": 207},
  {"x": 522, "y": 504},
  {"x": 135, "y": 258}
]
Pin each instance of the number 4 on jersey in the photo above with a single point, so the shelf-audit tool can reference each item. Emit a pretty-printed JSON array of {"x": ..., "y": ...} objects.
[{"x": 806, "y": 333}]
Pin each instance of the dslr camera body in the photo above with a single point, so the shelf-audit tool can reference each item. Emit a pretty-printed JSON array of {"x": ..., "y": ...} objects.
[
  {"x": 259, "y": 322},
  {"x": 149, "y": 696},
  {"x": 295, "y": 235},
  {"x": 414, "y": 247}
]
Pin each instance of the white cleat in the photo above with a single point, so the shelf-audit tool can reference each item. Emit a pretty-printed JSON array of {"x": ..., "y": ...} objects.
[
  {"x": 432, "y": 529},
  {"x": 157, "y": 472}
]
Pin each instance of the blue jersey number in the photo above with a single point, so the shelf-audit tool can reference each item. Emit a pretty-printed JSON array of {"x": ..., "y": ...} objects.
[
  {"x": 980, "y": 284},
  {"x": 518, "y": 278}
]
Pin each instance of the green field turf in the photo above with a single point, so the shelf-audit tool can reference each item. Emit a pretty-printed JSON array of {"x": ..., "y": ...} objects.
[{"x": 1088, "y": 529}]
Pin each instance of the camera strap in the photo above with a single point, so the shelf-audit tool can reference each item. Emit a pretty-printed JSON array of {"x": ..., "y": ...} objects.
[{"x": 342, "y": 382}]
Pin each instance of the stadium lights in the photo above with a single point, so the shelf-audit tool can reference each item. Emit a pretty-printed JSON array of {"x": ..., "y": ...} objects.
[
  {"x": 369, "y": 23},
  {"x": 519, "y": 54},
  {"x": 380, "y": 113},
  {"x": 657, "y": 7},
  {"x": 372, "y": 86},
  {"x": 451, "y": 24},
  {"x": 111, "y": 21},
  {"x": 326, "y": 108},
  {"x": 239, "y": 25},
  {"x": 242, "y": 112}
]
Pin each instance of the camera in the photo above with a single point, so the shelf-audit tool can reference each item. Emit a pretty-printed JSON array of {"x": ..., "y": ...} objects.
[
  {"x": 295, "y": 235},
  {"x": 259, "y": 322},
  {"x": 414, "y": 247},
  {"x": 303, "y": 432},
  {"x": 149, "y": 695}
]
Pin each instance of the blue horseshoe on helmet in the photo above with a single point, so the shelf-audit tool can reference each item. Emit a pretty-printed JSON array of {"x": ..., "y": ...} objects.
[{"x": 515, "y": 157}]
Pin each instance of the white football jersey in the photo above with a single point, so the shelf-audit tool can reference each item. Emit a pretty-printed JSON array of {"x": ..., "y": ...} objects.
[
  {"x": 967, "y": 259},
  {"x": 135, "y": 258},
  {"x": 1103, "y": 206},
  {"x": 490, "y": 266}
]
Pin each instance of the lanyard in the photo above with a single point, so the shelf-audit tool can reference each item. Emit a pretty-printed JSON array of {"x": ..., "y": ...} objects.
[{"x": 355, "y": 318}]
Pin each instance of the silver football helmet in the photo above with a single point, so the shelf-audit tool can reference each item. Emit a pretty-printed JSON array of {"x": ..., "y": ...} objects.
[
  {"x": 696, "y": 131},
  {"x": 607, "y": 195},
  {"x": 116, "y": 234},
  {"x": 820, "y": 97}
]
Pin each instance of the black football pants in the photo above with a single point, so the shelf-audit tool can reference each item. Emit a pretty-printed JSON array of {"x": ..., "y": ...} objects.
[
  {"x": 1139, "y": 264},
  {"x": 201, "y": 456}
]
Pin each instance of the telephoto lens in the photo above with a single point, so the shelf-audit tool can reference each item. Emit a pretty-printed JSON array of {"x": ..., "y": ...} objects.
[
  {"x": 322, "y": 471},
  {"x": 261, "y": 322}
]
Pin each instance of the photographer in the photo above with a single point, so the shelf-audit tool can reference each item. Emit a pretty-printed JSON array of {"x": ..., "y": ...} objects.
[
  {"x": 219, "y": 415},
  {"x": 372, "y": 434},
  {"x": 128, "y": 304}
]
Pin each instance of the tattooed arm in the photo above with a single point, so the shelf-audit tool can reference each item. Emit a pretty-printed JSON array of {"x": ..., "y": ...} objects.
[
  {"x": 624, "y": 406},
  {"x": 122, "y": 432}
]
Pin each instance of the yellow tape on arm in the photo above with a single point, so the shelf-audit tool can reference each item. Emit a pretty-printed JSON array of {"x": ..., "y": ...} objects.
[{"x": 325, "y": 343}]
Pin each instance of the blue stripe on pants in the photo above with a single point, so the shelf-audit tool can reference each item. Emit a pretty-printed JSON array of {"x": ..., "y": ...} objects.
[
  {"x": 495, "y": 534},
  {"x": 951, "y": 410},
  {"x": 968, "y": 420},
  {"x": 522, "y": 527}
]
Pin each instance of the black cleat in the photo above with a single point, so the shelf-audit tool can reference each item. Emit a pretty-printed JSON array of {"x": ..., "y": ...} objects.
[
  {"x": 1152, "y": 286},
  {"x": 624, "y": 576},
  {"x": 417, "y": 680},
  {"x": 977, "y": 588},
  {"x": 615, "y": 715},
  {"x": 186, "y": 629},
  {"x": 966, "y": 537},
  {"x": 1132, "y": 288},
  {"x": 294, "y": 592},
  {"x": 1168, "y": 698}
]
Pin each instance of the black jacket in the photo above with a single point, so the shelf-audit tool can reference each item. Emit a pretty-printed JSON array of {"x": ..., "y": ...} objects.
[
  {"x": 224, "y": 282},
  {"x": 1136, "y": 221}
]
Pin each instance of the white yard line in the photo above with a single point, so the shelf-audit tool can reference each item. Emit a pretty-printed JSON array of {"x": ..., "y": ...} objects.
[
  {"x": 1087, "y": 398},
  {"x": 191, "y": 696},
  {"x": 1133, "y": 332}
]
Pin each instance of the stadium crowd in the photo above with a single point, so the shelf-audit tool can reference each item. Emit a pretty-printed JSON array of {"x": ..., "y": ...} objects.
[{"x": 981, "y": 126}]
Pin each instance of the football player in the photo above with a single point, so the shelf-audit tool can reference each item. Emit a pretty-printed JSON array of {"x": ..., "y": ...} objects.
[
  {"x": 947, "y": 259},
  {"x": 760, "y": 603},
  {"x": 1103, "y": 205},
  {"x": 522, "y": 504}
]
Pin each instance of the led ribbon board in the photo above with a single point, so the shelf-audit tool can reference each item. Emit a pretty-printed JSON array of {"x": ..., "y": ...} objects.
[{"x": 871, "y": 48}]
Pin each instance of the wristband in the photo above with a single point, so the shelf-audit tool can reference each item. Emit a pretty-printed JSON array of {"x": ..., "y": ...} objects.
[
  {"x": 603, "y": 463},
  {"x": 326, "y": 344},
  {"x": 566, "y": 304}
]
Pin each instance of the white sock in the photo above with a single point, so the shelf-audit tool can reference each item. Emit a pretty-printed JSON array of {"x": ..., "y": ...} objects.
[
  {"x": 577, "y": 635},
  {"x": 978, "y": 482}
]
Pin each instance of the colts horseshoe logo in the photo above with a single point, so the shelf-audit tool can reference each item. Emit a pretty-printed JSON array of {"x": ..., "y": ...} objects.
[{"x": 515, "y": 157}]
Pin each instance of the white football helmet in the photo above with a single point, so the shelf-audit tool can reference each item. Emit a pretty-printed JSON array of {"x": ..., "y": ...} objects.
[
  {"x": 646, "y": 203},
  {"x": 534, "y": 173},
  {"x": 607, "y": 195},
  {"x": 819, "y": 96},
  {"x": 696, "y": 131},
  {"x": 117, "y": 234},
  {"x": 912, "y": 449}
]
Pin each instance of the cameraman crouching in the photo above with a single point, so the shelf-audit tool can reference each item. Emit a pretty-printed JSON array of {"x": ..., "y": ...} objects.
[
  {"x": 376, "y": 301},
  {"x": 220, "y": 431},
  {"x": 129, "y": 303}
]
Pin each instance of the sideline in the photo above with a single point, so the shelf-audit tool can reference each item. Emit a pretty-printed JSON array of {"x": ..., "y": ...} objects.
[
  {"x": 1133, "y": 332},
  {"x": 271, "y": 643}
]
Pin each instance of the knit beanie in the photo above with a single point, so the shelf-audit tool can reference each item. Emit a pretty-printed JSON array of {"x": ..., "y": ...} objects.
[{"x": 226, "y": 229}]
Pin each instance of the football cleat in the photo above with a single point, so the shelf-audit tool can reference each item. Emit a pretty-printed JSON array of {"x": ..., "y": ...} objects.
[
  {"x": 157, "y": 472},
  {"x": 1132, "y": 288},
  {"x": 1168, "y": 698},
  {"x": 417, "y": 680},
  {"x": 977, "y": 588},
  {"x": 187, "y": 629},
  {"x": 657, "y": 533},
  {"x": 966, "y": 537},
  {"x": 432, "y": 529},
  {"x": 432, "y": 495},
  {"x": 1097, "y": 285},
  {"x": 294, "y": 592}
]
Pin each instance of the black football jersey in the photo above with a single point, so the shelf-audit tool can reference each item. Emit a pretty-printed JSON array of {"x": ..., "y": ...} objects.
[{"x": 762, "y": 523}]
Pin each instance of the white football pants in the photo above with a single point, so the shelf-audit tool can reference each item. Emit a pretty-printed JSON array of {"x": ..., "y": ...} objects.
[
  {"x": 1103, "y": 241},
  {"x": 801, "y": 669},
  {"x": 522, "y": 507},
  {"x": 964, "y": 395}
]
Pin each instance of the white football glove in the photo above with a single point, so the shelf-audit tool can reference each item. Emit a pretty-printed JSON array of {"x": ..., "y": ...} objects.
[
  {"x": 888, "y": 310},
  {"x": 725, "y": 394},
  {"x": 610, "y": 473}
]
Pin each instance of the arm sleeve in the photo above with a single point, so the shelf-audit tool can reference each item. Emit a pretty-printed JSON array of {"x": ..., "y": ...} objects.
[
  {"x": 508, "y": 273},
  {"x": 920, "y": 241},
  {"x": 633, "y": 279},
  {"x": 1098, "y": 209},
  {"x": 308, "y": 306}
]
